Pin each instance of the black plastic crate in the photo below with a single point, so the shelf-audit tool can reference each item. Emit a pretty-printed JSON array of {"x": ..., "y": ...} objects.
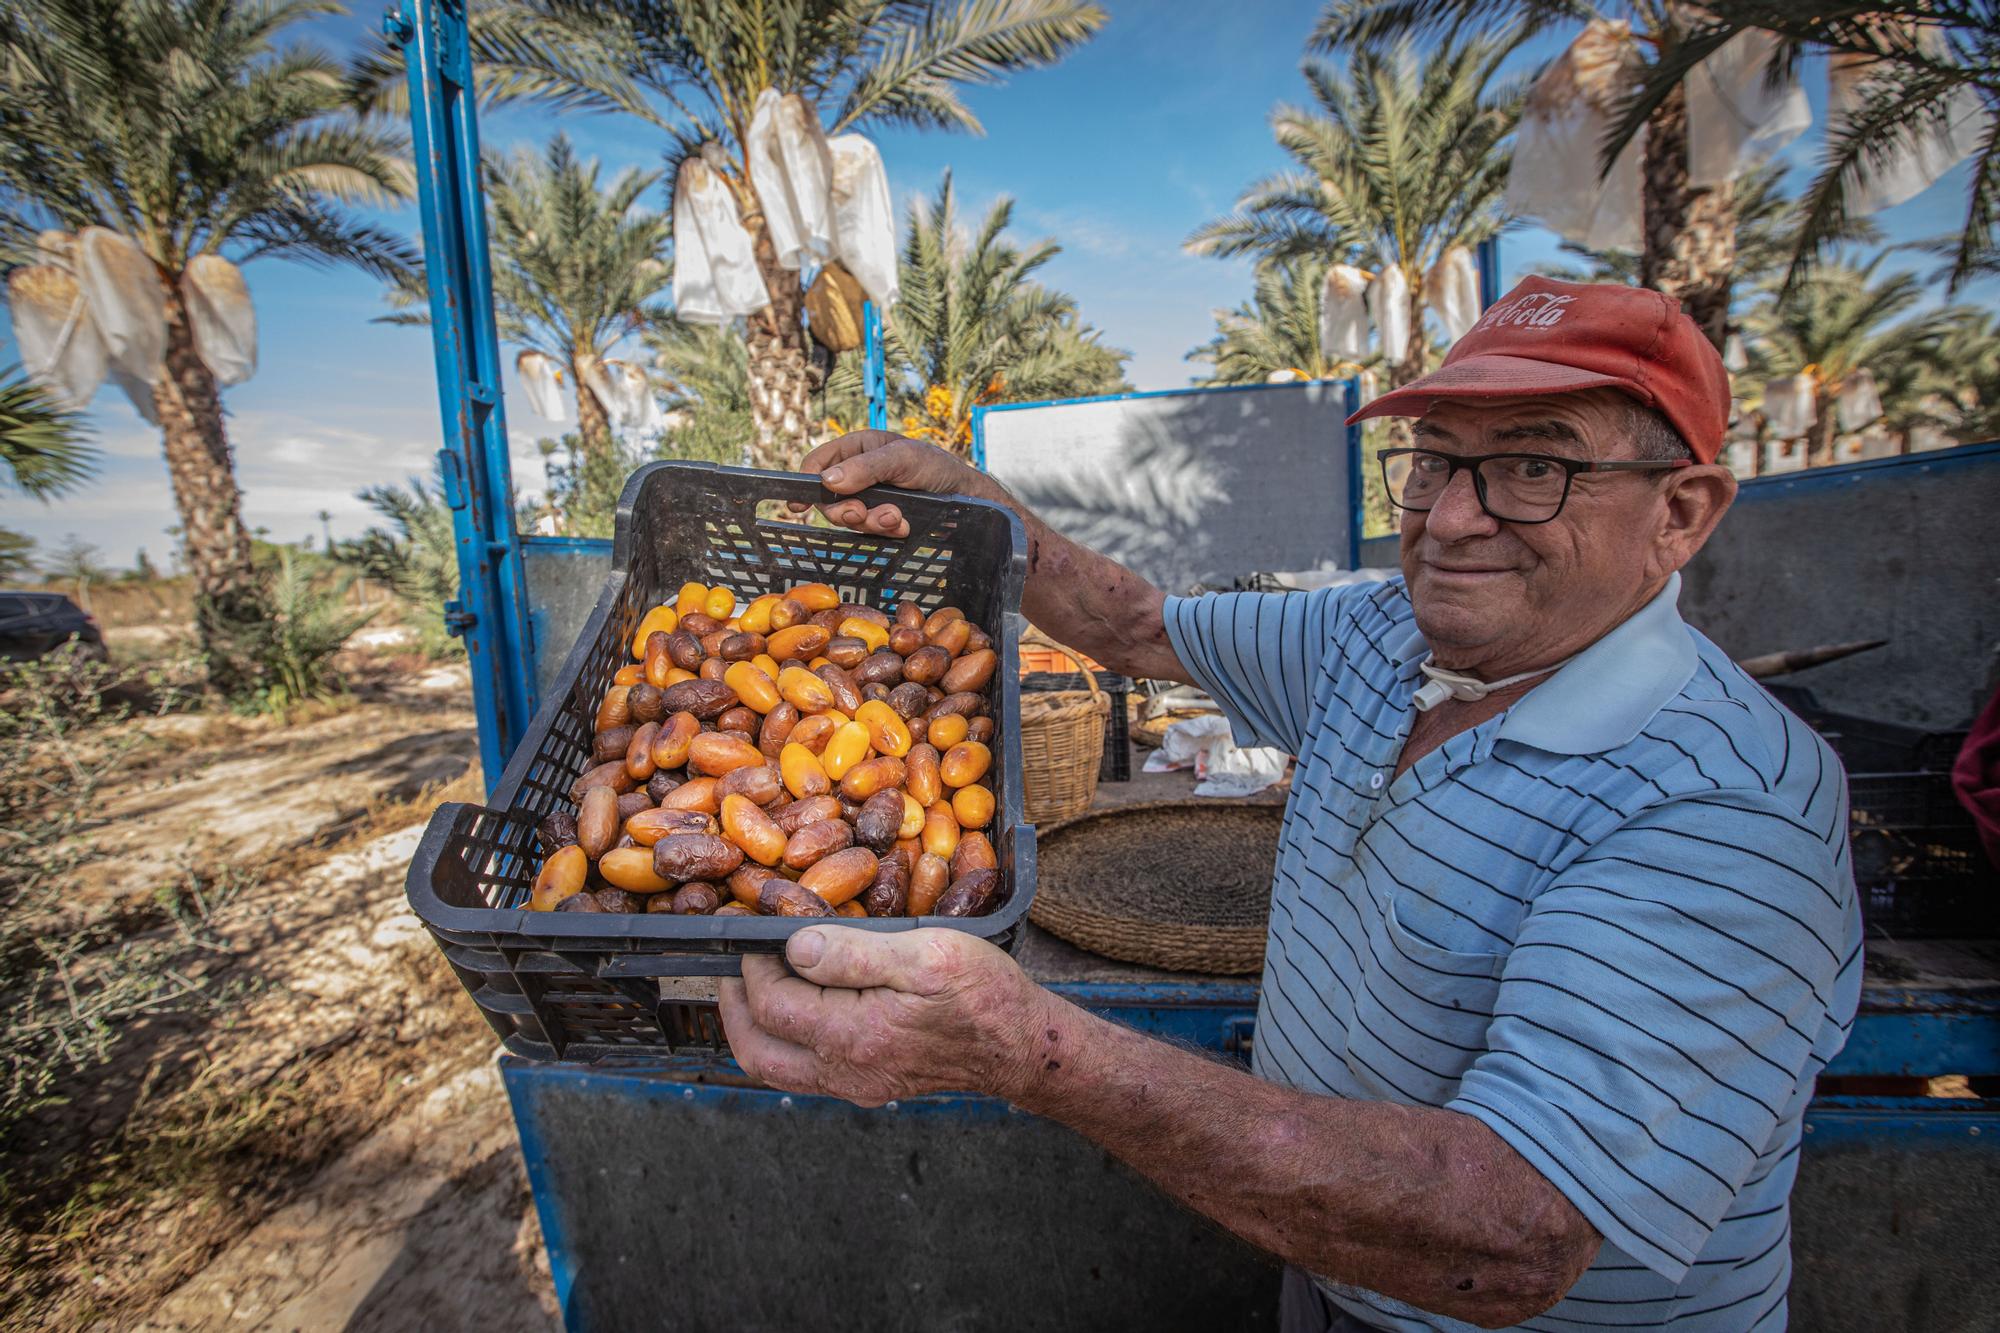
[
  {"x": 1918, "y": 863},
  {"x": 1117, "y": 763},
  {"x": 578, "y": 987}
]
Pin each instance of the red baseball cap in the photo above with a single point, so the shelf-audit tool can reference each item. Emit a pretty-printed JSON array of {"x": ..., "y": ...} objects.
[{"x": 1548, "y": 336}]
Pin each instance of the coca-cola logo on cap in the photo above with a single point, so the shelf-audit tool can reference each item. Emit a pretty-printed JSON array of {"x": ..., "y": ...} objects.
[{"x": 1534, "y": 310}]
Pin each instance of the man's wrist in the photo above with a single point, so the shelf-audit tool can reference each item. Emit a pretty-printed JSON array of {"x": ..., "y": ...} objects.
[{"x": 1040, "y": 1042}]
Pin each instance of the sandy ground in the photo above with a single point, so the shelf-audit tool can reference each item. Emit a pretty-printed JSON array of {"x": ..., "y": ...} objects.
[{"x": 323, "y": 1141}]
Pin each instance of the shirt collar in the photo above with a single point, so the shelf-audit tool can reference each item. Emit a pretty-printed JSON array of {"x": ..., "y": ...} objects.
[{"x": 1601, "y": 698}]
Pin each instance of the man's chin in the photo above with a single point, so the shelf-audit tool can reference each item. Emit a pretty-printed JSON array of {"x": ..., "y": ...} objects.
[{"x": 1448, "y": 619}]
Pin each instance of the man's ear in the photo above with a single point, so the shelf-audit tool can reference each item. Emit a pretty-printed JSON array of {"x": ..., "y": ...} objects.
[{"x": 1695, "y": 500}]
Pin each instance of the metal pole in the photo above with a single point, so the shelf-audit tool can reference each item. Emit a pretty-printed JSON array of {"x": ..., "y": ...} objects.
[
  {"x": 491, "y": 612},
  {"x": 1357, "y": 506},
  {"x": 1488, "y": 259},
  {"x": 874, "y": 373}
]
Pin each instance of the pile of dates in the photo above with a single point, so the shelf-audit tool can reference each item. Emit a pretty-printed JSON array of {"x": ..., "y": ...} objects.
[{"x": 797, "y": 756}]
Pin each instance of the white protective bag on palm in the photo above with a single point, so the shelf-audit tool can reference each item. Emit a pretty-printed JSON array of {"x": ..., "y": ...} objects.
[
  {"x": 1343, "y": 314},
  {"x": 1788, "y": 406},
  {"x": 715, "y": 268},
  {"x": 58, "y": 339},
  {"x": 1923, "y": 151},
  {"x": 541, "y": 380},
  {"x": 1858, "y": 404},
  {"x": 627, "y": 397},
  {"x": 1389, "y": 309},
  {"x": 223, "y": 320},
  {"x": 1736, "y": 117},
  {"x": 123, "y": 290},
  {"x": 864, "y": 220},
  {"x": 1451, "y": 290},
  {"x": 791, "y": 168},
  {"x": 1557, "y": 145}
]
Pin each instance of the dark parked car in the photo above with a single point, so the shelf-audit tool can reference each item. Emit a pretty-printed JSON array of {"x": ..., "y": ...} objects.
[{"x": 34, "y": 624}]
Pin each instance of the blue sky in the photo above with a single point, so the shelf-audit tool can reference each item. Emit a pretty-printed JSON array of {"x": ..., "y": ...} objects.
[{"x": 1119, "y": 152}]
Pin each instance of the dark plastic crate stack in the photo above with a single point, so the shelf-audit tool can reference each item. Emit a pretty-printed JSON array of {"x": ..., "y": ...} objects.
[
  {"x": 1117, "y": 763},
  {"x": 581, "y": 988},
  {"x": 1918, "y": 863}
]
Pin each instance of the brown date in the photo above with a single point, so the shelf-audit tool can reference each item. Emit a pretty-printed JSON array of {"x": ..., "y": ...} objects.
[
  {"x": 880, "y": 820},
  {"x": 841, "y": 876},
  {"x": 924, "y": 783},
  {"x": 611, "y": 744},
  {"x": 970, "y": 672},
  {"x": 883, "y": 668},
  {"x": 979, "y": 729},
  {"x": 616, "y": 708},
  {"x": 631, "y": 803},
  {"x": 928, "y": 881},
  {"x": 814, "y": 842},
  {"x": 746, "y": 881},
  {"x": 811, "y": 810},
  {"x": 889, "y": 892},
  {"x": 939, "y": 618},
  {"x": 780, "y": 897},
  {"x": 828, "y": 620},
  {"x": 974, "y": 852},
  {"x": 684, "y": 649},
  {"x": 905, "y": 639},
  {"x": 646, "y": 703},
  {"x": 953, "y": 637},
  {"x": 814, "y": 732},
  {"x": 963, "y": 704},
  {"x": 856, "y": 611},
  {"x": 639, "y": 754},
  {"x": 659, "y": 657},
  {"x": 714, "y": 668},
  {"x": 759, "y": 783},
  {"x": 740, "y": 646},
  {"x": 740, "y": 719},
  {"x": 777, "y": 729},
  {"x": 685, "y": 856},
  {"x": 648, "y": 827},
  {"x": 659, "y": 785},
  {"x": 620, "y": 900},
  {"x": 909, "y": 616},
  {"x": 846, "y": 652},
  {"x": 875, "y": 692},
  {"x": 699, "y": 623},
  {"x": 612, "y": 775},
  {"x": 927, "y": 665},
  {"x": 909, "y": 700},
  {"x": 978, "y": 641},
  {"x": 846, "y": 694},
  {"x": 597, "y": 824},
  {"x": 556, "y": 831},
  {"x": 732, "y": 909},
  {"x": 969, "y": 895},
  {"x": 580, "y": 902},
  {"x": 704, "y": 698},
  {"x": 788, "y": 613},
  {"x": 694, "y": 898}
]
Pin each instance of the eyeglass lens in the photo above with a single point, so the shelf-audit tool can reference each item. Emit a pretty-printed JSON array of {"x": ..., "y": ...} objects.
[{"x": 1523, "y": 489}]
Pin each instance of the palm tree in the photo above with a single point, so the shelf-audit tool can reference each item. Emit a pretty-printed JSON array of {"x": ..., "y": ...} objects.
[
  {"x": 416, "y": 555},
  {"x": 706, "y": 372},
  {"x": 1838, "y": 322},
  {"x": 1276, "y": 331},
  {"x": 185, "y": 126},
  {"x": 1926, "y": 64},
  {"x": 693, "y": 70},
  {"x": 972, "y": 328},
  {"x": 1396, "y": 165},
  {"x": 577, "y": 266},
  {"x": 43, "y": 448}
]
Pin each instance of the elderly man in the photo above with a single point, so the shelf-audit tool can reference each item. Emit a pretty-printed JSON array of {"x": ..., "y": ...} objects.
[{"x": 1562, "y": 926}]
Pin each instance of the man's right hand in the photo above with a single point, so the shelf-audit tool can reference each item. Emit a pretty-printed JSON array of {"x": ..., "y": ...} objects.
[{"x": 867, "y": 458}]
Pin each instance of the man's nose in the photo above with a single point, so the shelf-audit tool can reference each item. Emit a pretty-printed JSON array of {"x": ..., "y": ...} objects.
[{"x": 1457, "y": 515}]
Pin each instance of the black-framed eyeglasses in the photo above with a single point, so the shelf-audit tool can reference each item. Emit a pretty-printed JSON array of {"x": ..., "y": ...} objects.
[{"x": 1514, "y": 488}]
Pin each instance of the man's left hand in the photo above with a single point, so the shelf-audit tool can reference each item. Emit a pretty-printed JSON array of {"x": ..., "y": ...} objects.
[{"x": 870, "y": 1017}]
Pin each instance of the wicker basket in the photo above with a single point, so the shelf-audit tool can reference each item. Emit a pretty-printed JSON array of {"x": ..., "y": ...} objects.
[{"x": 1062, "y": 745}]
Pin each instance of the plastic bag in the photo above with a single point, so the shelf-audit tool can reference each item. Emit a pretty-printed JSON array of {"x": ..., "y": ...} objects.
[
  {"x": 1561, "y": 133},
  {"x": 1734, "y": 358},
  {"x": 791, "y": 168},
  {"x": 626, "y": 394},
  {"x": 715, "y": 268},
  {"x": 58, "y": 339},
  {"x": 1222, "y": 768},
  {"x": 123, "y": 289},
  {"x": 541, "y": 379},
  {"x": 1451, "y": 290},
  {"x": 224, "y": 321},
  {"x": 140, "y": 394},
  {"x": 864, "y": 221},
  {"x": 1788, "y": 406},
  {"x": 1736, "y": 118},
  {"x": 1857, "y": 403},
  {"x": 1343, "y": 314},
  {"x": 1389, "y": 308},
  {"x": 1370, "y": 388},
  {"x": 1925, "y": 152}
]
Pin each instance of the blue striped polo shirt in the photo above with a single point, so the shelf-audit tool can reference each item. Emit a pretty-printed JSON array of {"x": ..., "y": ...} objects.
[{"x": 1616, "y": 924}]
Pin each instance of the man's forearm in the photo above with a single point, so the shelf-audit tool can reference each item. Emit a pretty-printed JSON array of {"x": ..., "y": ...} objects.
[
  {"x": 1421, "y": 1204},
  {"x": 1089, "y": 601}
]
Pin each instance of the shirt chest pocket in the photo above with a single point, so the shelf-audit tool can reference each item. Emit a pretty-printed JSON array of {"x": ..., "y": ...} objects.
[{"x": 1426, "y": 1005}]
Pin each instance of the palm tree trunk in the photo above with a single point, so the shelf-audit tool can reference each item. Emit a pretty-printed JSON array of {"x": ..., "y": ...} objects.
[
  {"x": 228, "y": 597},
  {"x": 1416, "y": 348},
  {"x": 1819, "y": 437},
  {"x": 780, "y": 376},
  {"x": 1690, "y": 234},
  {"x": 593, "y": 423}
]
